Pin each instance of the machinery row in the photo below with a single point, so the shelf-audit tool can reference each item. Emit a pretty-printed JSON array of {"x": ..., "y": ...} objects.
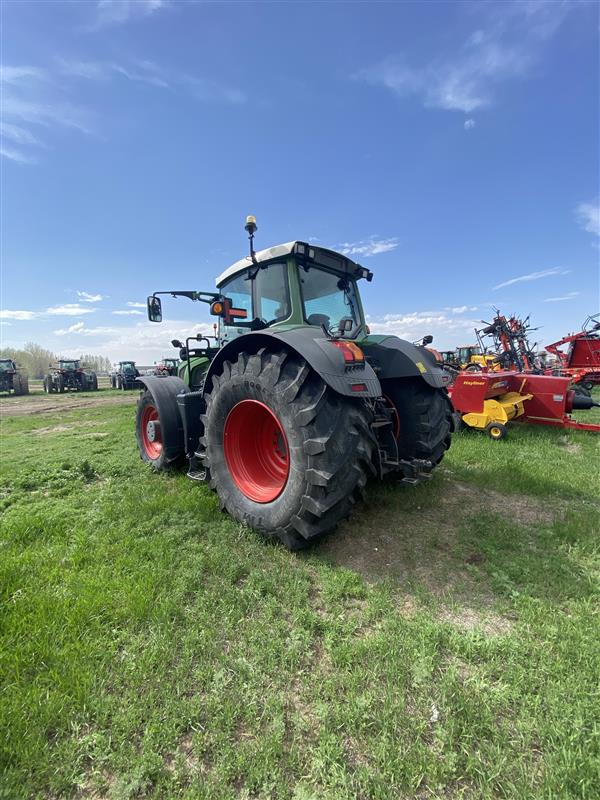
[
  {"x": 293, "y": 404},
  {"x": 68, "y": 375}
]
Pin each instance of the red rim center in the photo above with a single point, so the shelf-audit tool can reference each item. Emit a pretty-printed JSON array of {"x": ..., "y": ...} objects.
[
  {"x": 151, "y": 433},
  {"x": 256, "y": 451}
]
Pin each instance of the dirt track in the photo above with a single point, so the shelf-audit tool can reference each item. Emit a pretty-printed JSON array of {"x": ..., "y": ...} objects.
[{"x": 44, "y": 404}]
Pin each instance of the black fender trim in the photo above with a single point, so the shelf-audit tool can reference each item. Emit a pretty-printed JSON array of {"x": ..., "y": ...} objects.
[
  {"x": 315, "y": 348},
  {"x": 397, "y": 358},
  {"x": 165, "y": 391}
]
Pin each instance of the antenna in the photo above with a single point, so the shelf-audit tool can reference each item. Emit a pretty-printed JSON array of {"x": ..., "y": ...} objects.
[{"x": 251, "y": 227}]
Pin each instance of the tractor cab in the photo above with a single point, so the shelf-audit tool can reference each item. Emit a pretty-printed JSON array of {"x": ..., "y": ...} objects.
[
  {"x": 7, "y": 365},
  {"x": 127, "y": 367},
  {"x": 292, "y": 285},
  {"x": 466, "y": 353},
  {"x": 68, "y": 365}
]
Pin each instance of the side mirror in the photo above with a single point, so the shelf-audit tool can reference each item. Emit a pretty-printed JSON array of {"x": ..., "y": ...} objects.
[
  {"x": 154, "y": 309},
  {"x": 346, "y": 324},
  {"x": 176, "y": 343},
  {"x": 427, "y": 340}
]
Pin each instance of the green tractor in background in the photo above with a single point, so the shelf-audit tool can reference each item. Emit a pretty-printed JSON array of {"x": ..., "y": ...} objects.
[
  {"x": 293, "y": 405},
  {"x": 12, "y": 378}
]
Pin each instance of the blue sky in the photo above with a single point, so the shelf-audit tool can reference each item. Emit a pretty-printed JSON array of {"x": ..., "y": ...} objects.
[{"x": 451, "y": 147}]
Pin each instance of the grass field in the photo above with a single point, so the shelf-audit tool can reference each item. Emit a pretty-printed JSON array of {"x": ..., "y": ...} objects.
[{"x": 442, "y": 644}]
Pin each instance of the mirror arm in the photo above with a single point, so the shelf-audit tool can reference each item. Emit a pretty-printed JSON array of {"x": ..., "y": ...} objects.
[{"x": 203, "y": 297}]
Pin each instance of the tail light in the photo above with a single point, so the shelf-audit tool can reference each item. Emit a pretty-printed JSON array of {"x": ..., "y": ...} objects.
[{"x": 352, "y": 353}]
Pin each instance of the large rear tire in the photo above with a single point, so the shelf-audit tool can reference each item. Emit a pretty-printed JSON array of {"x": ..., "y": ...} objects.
[
  {"x": 286, "y": 455},
  {"x": 424, "y": 418}
]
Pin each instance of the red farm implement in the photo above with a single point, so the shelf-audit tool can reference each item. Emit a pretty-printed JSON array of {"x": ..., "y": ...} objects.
[
  {"x": 490, "y": 400},
  {"x": 581, "y": 361}
]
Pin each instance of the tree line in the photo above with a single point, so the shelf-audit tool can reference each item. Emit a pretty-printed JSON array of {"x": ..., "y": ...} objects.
[{"x": 35, "y": 359}]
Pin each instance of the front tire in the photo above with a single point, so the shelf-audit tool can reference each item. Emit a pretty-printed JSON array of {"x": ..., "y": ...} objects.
[
  {"x": 148, "y": 431},
  {"x": 286, "y": 455}
]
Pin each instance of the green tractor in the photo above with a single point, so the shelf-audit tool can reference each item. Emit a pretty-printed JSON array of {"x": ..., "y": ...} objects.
[
  {"x": 69, "y": 375},
  {"x": 293, "y": 405},
  {"x": 12, "y": 379}
]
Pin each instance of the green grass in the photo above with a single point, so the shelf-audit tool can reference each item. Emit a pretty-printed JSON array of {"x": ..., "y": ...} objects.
[{"x": 443, "y": 643}]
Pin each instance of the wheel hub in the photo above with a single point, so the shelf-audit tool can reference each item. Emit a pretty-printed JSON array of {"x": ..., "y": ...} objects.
[
  {"x": 153, "y": 430},
  {"x": 256, "y": 451}
]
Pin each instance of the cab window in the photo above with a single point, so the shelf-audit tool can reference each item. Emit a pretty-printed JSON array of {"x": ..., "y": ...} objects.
[
  {"x": 328, "y": 297},
  {"x": 239, "y": 291},
  {"x": 271, "y": 294},
  {"x": 264, "y": 296}
]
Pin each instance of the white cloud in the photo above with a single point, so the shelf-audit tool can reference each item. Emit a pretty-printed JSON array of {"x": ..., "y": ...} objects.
[
  {"x": 533, "y": 276},
  {"x": 506, "y": 46},
  {"x": 137, "y": 71},
  {"x": 133, "y": 304},
  {"x": 129, "y": 313},
  {"x": 16, "y": 155},
  {"x": 69, "y": 310},
  {"x": 118, "y": 12},
  {"x": 43, "y": 113},
  {"x": 76, "y": 328},
  {"x": 568, "y": 296},
  {"x": 460, "y": 309},
  {"x": 588, "y": 215},
  {"x": 469, "y": 124},
  {"x": 143, "y": 341},
  {"x": 144, "y": 71},
  {"x": 86, "y": 297},
  {"x": 17, "y": 134},
  {"x": 6, "y": 314},
  {"x": 18, "y": 75},
  {"x": 34, "y": 97},
  {"x": 368, "y": 247},
  {"x": 29, "y": 99},
  {"x": 447, "y": 330}
]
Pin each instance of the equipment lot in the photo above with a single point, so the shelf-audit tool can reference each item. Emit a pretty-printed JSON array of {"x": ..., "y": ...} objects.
[{"x": 444, "y": 643}]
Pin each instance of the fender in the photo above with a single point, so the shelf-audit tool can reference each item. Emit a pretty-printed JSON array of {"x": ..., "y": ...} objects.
[
  {"x": 164, "y": 392},
  {"x": 315, "y": 348},
  {"x": 396, "y": 358}
]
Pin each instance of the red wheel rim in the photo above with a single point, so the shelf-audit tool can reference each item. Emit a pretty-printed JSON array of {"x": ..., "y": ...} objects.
[
  {"x": 151, "y": 433},
  {"x": 256, "y": 451}
]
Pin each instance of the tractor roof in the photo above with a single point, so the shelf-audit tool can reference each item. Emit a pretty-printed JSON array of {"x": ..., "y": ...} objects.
[{"x": 320, "y": 255}]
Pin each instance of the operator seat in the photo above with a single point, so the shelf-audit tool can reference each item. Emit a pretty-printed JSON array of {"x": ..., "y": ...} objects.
[{"x": 319, "y": 320}]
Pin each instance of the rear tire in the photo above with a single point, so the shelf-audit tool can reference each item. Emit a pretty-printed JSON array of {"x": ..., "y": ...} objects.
[
  {"x": 425, "y": 418},
  {"x": 325, "y": 439}
]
